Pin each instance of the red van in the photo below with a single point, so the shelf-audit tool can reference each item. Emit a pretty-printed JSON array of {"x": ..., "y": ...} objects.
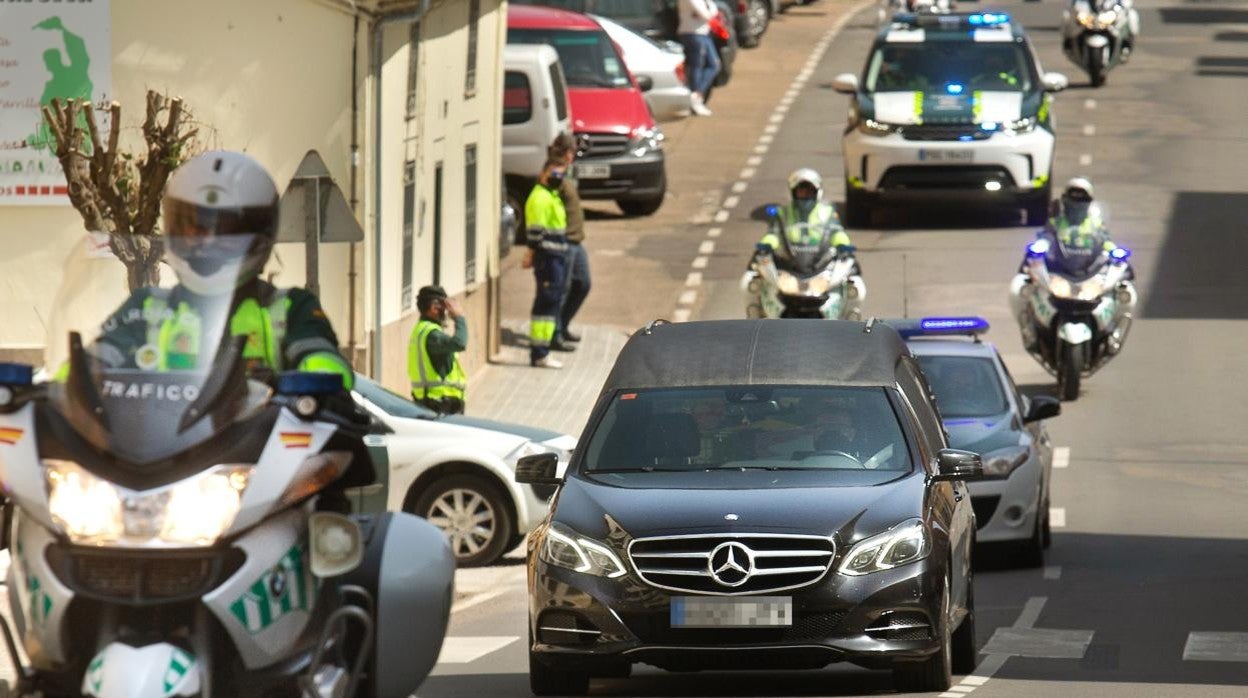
[{"x": 620, "y": 148}]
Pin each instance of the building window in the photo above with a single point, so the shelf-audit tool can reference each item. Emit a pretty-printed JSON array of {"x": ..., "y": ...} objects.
[
  {"x": 470, "y": 75},
  {"x": 470, "y": 213},
  {"x": 409, "y": 225},
  {"x": 413, "y": 67}
]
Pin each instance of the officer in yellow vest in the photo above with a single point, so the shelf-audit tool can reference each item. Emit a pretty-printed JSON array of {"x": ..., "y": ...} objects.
[
  {"x": 438, "y": 381},
  {"x": 806, "y": 219},
  {"x": 220, "y": 212},
  {"x": 547, "y": 234}
]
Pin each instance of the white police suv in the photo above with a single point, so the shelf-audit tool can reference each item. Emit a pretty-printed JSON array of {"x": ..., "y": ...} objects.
[{"x": 949, "y": 104}]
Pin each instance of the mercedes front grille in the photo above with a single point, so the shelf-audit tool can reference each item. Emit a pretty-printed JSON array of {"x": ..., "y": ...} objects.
[{"x": 732, "y": 563}]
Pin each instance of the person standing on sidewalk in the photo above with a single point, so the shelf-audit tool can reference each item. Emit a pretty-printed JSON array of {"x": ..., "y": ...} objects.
[
  {"x": 701, "y": 57},
  {"x": 438, "y": 381},
  {"x": 576, "y": 288},
  {"x": 547, "y": 236}
]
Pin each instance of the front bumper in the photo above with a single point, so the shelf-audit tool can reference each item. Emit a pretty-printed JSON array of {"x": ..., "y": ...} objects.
[
  {"x": 1006, "y": 510},
  {"x": 893, "y": 165},
  {"x": 594, "y": 624},
  {"x": 630, "y": 177}
]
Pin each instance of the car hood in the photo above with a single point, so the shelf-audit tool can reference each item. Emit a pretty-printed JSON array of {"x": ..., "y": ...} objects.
[
  {"x": 530, "y": 433},
  {"x": 983, "y": 434},
  {"x": 937, "y": 108},
  {"x": 848, "y": 512},
  {"x": 607, "y": 110}
]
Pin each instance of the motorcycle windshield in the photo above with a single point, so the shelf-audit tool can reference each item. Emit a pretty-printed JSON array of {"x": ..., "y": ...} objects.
[
  {"x": 810, "y": 253},
  {"x": 1077, "y": 261},
  {"x": 146, "y": 374}
]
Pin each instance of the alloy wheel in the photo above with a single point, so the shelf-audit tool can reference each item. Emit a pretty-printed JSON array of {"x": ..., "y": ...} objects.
[{"x": 467, "y": 518}]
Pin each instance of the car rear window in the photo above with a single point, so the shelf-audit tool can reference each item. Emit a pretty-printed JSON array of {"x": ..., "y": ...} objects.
[
  {"x": 517, "y": 98},
  {"x": 965, "y": 386},
  {"x": 588, "y": 57}
]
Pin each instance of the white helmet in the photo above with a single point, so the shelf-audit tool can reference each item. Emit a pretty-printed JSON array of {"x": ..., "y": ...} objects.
[
  {"x": 1077, "y": 184},
  {"x": 220, "y": 221},
  {"x": 808, "y": 176}
]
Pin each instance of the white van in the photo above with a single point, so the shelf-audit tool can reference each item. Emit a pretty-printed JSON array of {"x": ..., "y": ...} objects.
[{"x": 535, "y": 110}]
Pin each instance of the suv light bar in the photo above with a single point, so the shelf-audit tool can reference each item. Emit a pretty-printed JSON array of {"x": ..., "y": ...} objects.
[{"x": 911, "y": 328}]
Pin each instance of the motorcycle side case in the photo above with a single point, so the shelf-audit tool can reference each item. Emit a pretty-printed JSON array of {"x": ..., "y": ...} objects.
[{"x": 409, "y": 569}]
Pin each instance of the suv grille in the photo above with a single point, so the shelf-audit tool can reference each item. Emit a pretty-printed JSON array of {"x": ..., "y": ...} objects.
[
  {"x": 936, "y": 132},
  {"x": 732, "y": 563},
  {"x": 600, "y": 145},
  {"x": 140, "y": 578}
]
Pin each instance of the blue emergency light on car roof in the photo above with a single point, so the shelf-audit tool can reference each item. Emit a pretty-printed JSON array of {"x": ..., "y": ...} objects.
[
  {"x": 987, "y": 19},
  {"x": 940, "y": 327}
]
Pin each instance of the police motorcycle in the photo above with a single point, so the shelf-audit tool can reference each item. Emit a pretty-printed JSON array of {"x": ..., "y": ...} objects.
[
  {"x": 1074, "y": 307},
  {"x": 887, "y": 8},
  {"x": 179, "y": 525},
  {"x": 1098, "y": 35},
  {"x": 804, "y": 281}
]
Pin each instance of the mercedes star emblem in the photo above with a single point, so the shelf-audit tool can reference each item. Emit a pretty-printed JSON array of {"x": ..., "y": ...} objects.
[
  {"x": 731, "y": 564},
  {"x": 582, "y": 144}
]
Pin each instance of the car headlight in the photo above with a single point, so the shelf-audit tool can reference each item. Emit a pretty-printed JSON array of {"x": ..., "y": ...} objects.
[
  {"x": 193, "y": 512},
  {"x": 1001, "y": 462},
  {"x": 646, "y": 141},
  {"x": 788, "y": 284},
  {"x": 902, "y": 544},
  {"x": 871, "y": 127},
  {"x": 1060, "y": 287},
  {"x": 563, "y": 547},
  {"x": 1023, "y": 125}
]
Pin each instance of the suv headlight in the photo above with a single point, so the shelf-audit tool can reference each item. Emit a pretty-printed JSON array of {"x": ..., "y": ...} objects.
[
  {"x": 1001, "y": 462},
  {"x": 1024, "y": 125},
  {"x": 190, "y": 513},
  {"x": 902, "y": 544},
  {"x": 871, "y": 127},
  {"x": 563, "y": 547},
  {"x": 646, "y": 141}
]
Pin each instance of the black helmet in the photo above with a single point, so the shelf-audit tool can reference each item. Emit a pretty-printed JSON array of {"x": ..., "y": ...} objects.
[{"x": 427, "y": 295}]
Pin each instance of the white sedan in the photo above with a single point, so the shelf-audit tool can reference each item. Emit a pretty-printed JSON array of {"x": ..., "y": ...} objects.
[
  {"x": 662, "y": 62},
  {"x": 459, "y": 472}
]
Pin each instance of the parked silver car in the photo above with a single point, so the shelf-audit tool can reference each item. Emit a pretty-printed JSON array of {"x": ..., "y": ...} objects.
[{"x": 663, "y": 62}]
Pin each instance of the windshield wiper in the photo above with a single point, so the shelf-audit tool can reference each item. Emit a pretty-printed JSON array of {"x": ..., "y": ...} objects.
[
  {"x": 643, "y": 469},
  {"x": 755, "y": 467}
]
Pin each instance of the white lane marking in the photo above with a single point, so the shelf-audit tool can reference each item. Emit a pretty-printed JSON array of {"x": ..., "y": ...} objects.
[
  {"x": 475, "y": 599},
  {"x": 949, "y": 694},
  {"x": 694, "y": 279},
  {"x": 781, "y": 109},
  {"x": 1085, "y": 159},
  {"x": 721, "y": 216},
  {"x": 1023, "y": 639},
  {"x": 761, "y": 149},
  {"x": 975, "y": 680},
  {"x": 714, "y": 232},
  {"x": 1089, "y": 129},
  {"x": 462, "y": 650},
  {"x": 747, "y": 173},
  {"x": 1216, "y": 647},
  {"x": 1057, "y": 517},
  {"x": 791, "y": 93},
  {"x": 732, "y": 201},
  {"x": 738, "y": 187},
  {"x": 1061, "y": 457},
  {"x": 1031, "y": 612},
  {"x": 1089, "y": 103},
  {"x": 754, "y": 160},
  {"x": 776, "y": 118},
  {"x": 681, "y": 315},
  {"x": 707, "y": 247},
  {"x": 1053, "y": 572},
  {"x": 766, "y": 138},
  {"x": 960, "y": 690},
  {"x": 609, "y": 253},
  {"x": 699, "y": 262},
  {"x": 689, "y": 297},
  {"x": 771, "y": 129}
]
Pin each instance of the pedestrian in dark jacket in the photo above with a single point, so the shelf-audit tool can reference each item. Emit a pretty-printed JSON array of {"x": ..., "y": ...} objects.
[{"x": 577, "y": 282}]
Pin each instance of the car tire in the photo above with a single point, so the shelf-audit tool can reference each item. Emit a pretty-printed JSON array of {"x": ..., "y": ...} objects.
[
  {"x": 857, "y": 209},
  {"x": 964, "y": 654},
  {"x": 548, "y": 681},
  {"x": 458, "y": 496},
  {"x": 1030, "y": 553},
  {"x": 935, "y": 673},
  {"x": 757, "y": 18}
]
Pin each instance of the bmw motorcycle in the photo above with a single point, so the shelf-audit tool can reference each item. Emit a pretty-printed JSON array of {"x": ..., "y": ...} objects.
[
  {"x": 804, "y": 281},
  {"x": 887, "y": 8},
  {"x": 1074, "y": 309},
  {"x": 179, "y": 524},
  {"x": 1098, "y": 35}
]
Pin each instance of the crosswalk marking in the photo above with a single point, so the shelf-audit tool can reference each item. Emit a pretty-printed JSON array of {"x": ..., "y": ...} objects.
[
  {"x": 1216, "y": 647},
  {"x": 462, "y": 650},
  {"x": 1061, "y": 457}
]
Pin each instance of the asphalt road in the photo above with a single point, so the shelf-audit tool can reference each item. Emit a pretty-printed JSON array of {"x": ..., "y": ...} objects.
[{"x": 1145, "y": 579}]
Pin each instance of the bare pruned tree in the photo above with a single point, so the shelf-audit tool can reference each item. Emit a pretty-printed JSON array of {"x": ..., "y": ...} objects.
[{"x": 115, "y": 191}]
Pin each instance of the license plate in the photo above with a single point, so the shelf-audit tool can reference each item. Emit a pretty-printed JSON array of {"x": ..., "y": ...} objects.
[
  {"x": 723, "y": 612},
  {"x": 960, "y": 156},
  {"x": 593, "y": 171}
]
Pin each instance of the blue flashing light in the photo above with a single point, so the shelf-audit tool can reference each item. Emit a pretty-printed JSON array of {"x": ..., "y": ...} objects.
[
  {"x": 989, "y": 126},
  {"x": 963, "y": 324},
  {"x": 1039, "y": 248},
  {"x": 773, "y": 211},
  {"x": 1121, "y": 254},
  {"x": 954, "y": 88},
  {"x": 988, "y": 19},
  {"x": 16, "y": 374},
  {"x": 309, "y": 383},
  {"x": 966, "y": 138}
]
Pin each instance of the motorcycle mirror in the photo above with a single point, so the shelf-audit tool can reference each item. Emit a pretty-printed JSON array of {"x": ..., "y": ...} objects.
[{"x": 1054, "y": 82}]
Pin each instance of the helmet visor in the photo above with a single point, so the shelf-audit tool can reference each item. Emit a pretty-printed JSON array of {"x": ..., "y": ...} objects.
[{"x": 185, "y": 219}]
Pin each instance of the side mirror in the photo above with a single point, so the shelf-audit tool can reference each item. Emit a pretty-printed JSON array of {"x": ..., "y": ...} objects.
[
  {"x": 1054, "y": 82},
  {"x": 1042, "y": 407},
  {"x": 645, "y": 83},
  {"x": 845, "y": 83},
  {"x": 538, "y": 469},
  {"x": 954, "y": 464}
]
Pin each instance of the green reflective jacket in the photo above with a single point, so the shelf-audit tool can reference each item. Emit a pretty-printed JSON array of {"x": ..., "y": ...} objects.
[
  {"x": 805, "y": 232},
  {"x": 434, "y": 372}
]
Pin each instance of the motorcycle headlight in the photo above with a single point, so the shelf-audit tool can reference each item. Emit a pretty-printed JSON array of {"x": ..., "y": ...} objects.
[
  {"x": 1002, "y": 462},
  {"x": 1107, "y": 18},
  {"x": 871, "y": 127},
  {"x": 1024, "y": 125},
  {"x": 193, "y": 512},
  {"x": 788, "y": 284},
  {"x": 646, "y": 141},
  {"x": 566, "y": 548},
  {"x": 1091, "y": 289},
  {"x": 902, "y": 544},
  {"x": 1085, "y": 18},
  {"x": 1060, "y": 287}
]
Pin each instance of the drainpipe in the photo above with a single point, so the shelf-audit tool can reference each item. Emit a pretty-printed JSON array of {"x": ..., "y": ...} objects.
[
  {"x": 352, "y": 275},
  {"x": 378, "y": 26}
]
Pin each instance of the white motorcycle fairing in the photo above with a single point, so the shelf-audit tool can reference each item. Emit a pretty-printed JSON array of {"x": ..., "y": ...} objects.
[{"x": 154, "y": 671}]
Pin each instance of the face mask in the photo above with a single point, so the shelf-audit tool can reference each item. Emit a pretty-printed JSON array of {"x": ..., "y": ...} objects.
[{"x": 556, "y": 176}]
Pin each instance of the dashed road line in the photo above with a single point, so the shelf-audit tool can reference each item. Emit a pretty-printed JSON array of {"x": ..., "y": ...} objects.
[
  {"x": 699, "y": 262},
  {"x": 739, "y": 187},
  {"x": 766, "y": 138},
  {"x": 707, "y": 247},
  {"x": 721, "y": 216},
  {"x": 761, "y": 149},
  {"x": 1216, "y": 647},
  {"x": 776, "y": 118},
  {"x": 732, "y": 201},
  {"x": 1085, "y": 159},
  {"x": 1089, "y": 129},
  {"x": 462, "y": 650},
  {"x": 693, "y": 279},
  {"x": 1053, "y": 573},
  {"x": 771, "y": 129},
  {"x": 754, "y": 160},
  {"x": 689, "y": 297},
  {"x": 714, "y": 232},
  {"x": 1061, "y": 457},
  {"x": 1057, "y": 517},
  {"x": 681, "y": 315},
  {"x": 1089, "y": 103},
  {"x": 748, "y": 173}
]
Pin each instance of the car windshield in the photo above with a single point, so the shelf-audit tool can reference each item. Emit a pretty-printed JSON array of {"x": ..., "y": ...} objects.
[
  {"x": 965, "y": 386},
  {"x": 589, "y": 58},
  {"x": 750, "y": 428},
  {"x": 949, "y": 67},
  {"x": 390, "y": 403}
]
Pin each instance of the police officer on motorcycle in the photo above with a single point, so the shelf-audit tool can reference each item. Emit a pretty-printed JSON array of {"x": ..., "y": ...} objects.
[
  {"x": 1077, "y": 223},
  {"x": 805, "y": 218}
]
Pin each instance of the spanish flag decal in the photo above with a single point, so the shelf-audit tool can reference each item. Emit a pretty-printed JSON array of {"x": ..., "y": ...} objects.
[
  {"x": 10, "y": 435},
  {"x": 296, "y": 439}
]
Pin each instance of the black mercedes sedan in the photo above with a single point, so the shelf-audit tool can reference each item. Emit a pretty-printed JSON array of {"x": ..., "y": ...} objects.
[{"x": 756, "y": 494}]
